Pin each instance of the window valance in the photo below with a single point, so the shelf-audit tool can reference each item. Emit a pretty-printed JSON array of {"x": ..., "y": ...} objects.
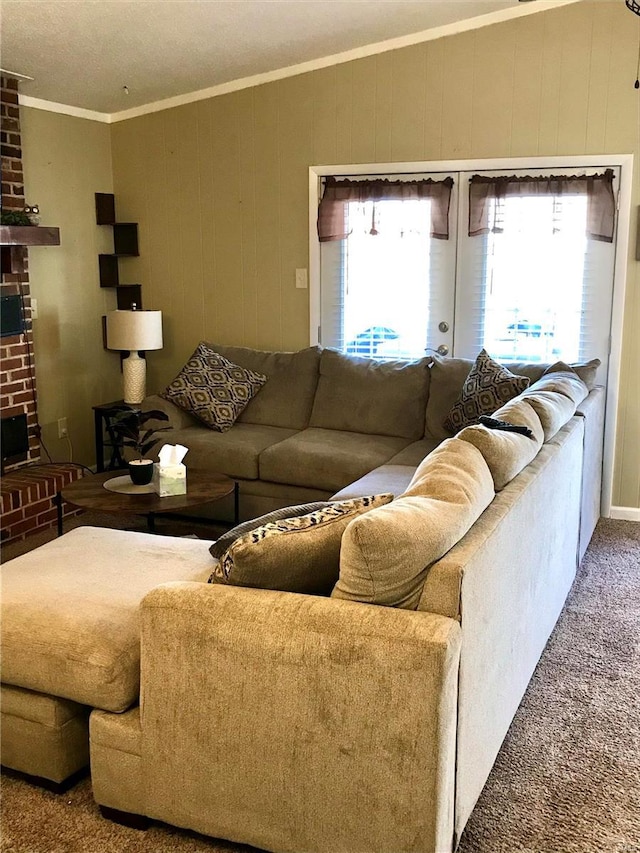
[
  {"x": 601, "y": 205},
  {"x": 338, "y": 193}
]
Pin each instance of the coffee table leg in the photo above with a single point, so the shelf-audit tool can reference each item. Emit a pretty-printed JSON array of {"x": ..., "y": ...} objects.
[
  {"x": 58, "y": 502},
  {"x": 236, "y": 503}
]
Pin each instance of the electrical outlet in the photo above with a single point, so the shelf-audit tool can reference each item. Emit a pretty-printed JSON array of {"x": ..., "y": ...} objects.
[
  {"x": 301, "y": 279},
  {"x": 34, "y": 308},
  {"x": 63, "y": 432}
]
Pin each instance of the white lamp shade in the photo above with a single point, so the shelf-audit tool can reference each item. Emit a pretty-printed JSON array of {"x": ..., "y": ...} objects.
[{"x": 134, "y": 330}]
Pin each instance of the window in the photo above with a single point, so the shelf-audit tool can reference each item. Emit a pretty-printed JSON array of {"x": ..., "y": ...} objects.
[{"x": 531, "y": 285}]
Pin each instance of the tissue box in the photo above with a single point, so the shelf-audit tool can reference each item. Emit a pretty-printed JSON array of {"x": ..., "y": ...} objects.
[{"x": 169, "y": 480}]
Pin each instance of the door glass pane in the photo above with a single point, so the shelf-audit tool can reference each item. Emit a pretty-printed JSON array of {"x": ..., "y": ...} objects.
[
  {"x": 535, "y": 279},
  {"x": 387, "y": 268},
  {"x": 387, "y": 286}
]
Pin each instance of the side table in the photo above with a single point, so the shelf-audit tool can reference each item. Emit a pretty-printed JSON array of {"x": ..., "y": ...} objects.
[{"x": 104, "y": 414}]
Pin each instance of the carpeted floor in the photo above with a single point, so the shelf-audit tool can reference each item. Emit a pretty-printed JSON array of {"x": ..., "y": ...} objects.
[{"x": 567, "y": 779}]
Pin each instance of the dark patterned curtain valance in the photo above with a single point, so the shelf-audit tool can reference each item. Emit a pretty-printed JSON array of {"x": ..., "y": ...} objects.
[
  {"x": 601, "y": 205},
  {"x": 337, "y": 194}
]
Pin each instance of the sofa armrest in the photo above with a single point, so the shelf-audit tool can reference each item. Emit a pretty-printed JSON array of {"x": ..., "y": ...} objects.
[{"x": 295, "y": 722}]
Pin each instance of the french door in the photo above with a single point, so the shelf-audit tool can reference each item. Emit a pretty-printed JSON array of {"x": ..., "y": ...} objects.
[{"x": 534, "y": 288}]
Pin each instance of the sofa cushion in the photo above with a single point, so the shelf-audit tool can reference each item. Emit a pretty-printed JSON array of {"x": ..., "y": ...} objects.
[
  {"x": 552, "y": 407},
  {"x": 213, "y": 389},
  {"x": 556, "y": 396},
  {"x": 413, "y": 454},
  {"x": 326, "y": 458},
  {"x": 234, "y": 453},
  {"x": 448, "y": 375},
  {"x": 386, "y": 478},
  {"x": 447, "y": 378},
  {"x": 372, "y": 397},
  {"x": 300, "y": 554},
  {"x": 386, "y": 554},
  {"x": 487, "y": 386},
  {"x": 70, "y": 611},
  {"x": 227, "y": 539},
  {"x": 562, "y": 378},
  {"x": 287, "y": 398},
  {"x": 507, "y": 453},
  {"x": 586, "y": 370}
]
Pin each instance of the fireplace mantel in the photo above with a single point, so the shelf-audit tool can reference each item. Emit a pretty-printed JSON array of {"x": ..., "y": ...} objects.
[
  {"x": 15, "y": 237},
  {"x": 29, "y": 235}
]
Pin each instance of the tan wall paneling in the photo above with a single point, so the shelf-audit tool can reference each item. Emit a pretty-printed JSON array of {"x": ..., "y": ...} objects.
[
  {"x": 408, "y": 89},
  {"x": 489, "y": 66},
  {"x": 325, "y": 108},
  {"x": 363, "y": 143},
  {"x": 528, "y": 43},
  {"x": 267, "y": 238},
  {"x": 434, "y": 105},
  {"x": 231, "y": 172},
  {"x": 66, "y": 161}
]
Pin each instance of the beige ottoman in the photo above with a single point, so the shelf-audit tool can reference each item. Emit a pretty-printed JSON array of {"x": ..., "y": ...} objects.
[{"x": 71, "y": 640}]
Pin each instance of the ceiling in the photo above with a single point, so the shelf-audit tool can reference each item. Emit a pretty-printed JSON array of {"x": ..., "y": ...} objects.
[{"x": 83, "y": 53}]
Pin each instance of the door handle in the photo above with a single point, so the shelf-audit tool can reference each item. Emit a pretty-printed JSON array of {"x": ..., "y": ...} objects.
[{"x": 443, "y": 349}]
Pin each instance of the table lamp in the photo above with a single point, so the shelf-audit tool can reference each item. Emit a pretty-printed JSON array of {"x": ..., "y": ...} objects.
[{"x": 133, "y": 331}]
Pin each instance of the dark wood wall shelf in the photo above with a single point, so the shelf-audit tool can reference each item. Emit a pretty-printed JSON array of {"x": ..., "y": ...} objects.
[{"x": 125, "y": 245}]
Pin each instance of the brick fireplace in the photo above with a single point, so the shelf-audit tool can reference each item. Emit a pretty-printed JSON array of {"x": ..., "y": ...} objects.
[
  {"x": 28, "y": 489},
  {"x": 18, "y": 395}
]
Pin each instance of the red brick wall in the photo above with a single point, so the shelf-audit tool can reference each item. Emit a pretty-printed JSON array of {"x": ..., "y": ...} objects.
[
  {"x": 17, "y": 376},
  {"x": 27, "y": 499}
]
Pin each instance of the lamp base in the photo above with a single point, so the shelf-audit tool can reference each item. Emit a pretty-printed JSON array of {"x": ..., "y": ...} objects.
[{"x": 134, "y": 374}]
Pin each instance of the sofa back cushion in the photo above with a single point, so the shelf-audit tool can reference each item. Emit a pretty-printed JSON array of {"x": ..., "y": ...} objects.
[
  {"x": 507, "y": 453},
  {"x": 386, "y": 554},
  {"x": 553, "y": 408},
  {"x": 448, "y": 376},
  {"x": 286, "y": 398},
  {"x": 372, "y": 397},
  {"x": 556, "y": 396},
  {"x": 563, "y": 379}
]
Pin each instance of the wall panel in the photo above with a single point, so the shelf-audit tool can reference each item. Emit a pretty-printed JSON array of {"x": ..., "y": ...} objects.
[{"x": 66, "y": 161}]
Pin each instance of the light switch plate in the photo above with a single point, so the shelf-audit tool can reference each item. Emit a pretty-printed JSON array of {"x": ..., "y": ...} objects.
[{"x": 301, "y": 279}]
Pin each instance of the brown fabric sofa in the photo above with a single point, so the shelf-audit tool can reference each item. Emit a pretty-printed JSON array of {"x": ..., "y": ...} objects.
[
  {"x": 321, "y": 421},
  {"x": 304, "y": 723},
  {"x": 324, "y": 420}
]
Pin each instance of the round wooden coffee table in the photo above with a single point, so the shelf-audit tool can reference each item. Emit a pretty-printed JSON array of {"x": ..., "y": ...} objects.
[{"x": 203, "y": 487}]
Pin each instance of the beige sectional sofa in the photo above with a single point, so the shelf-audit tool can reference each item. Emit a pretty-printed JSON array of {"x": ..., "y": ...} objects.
[{"x": 364, "y": 722}]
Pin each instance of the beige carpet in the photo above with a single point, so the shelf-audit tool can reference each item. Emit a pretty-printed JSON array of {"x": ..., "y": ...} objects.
[{"x": 567, "y": 779}]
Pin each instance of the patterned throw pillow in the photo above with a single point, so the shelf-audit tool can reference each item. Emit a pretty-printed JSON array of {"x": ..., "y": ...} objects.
[
  {"x": 213, "y": 389},
  {"x": 299, "y": 554},
  {"x": 227, "y": 539},
  {"x": 488, "y": 386}
]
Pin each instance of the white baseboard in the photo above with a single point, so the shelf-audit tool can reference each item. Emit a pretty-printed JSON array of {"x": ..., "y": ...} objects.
[{"x": 625, "y": 513}]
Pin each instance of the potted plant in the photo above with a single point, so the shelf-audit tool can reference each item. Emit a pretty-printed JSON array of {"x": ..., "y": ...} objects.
[{"x": 130, "y": 429}]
